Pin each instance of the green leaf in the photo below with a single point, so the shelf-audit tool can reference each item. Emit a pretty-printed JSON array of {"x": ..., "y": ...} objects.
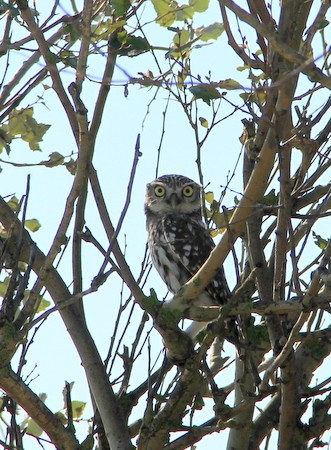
[
  {"x": 181, "y": 77},
  {"x": 6, "y": 7},
  {"x": 13, "y": 204},
  {"x": 181, "y": 37},
  {"x": 71, "y": 166},
  {"x": 230, "y": 84},
  {"x": 88, "y": 443},
  {"x": 33, "y": 428},
  {"x": 22, "y": 266},
  {"x": 68, "y": 58},
  {"x": 165, "y": 11},
  {"x": 5, "y": 138},
  {"x": 120, "y": 7},
  {"x": 319, "y": 241},
  {"x": 198, "y": 403},
  {"x": 3, "y": 287},
  {"x": 203, "y": 122},
  {"x": 16, "y": 122},
  {"x": 30, "y": 425},
  {"x": 258, "y": 97},
  {"x": 71, "y": 32},
  {"x": 205, "y": 92},
  {"x": 77, "y": 408},
  {"x": 323, "y": 23},
  {"x": 184, "y": 12},
  {"x": 212, "y": 31},
  {"x": 271, "y": 199},
  {"x": 134, "y": 46},
  {"x": 102, "y": 30},
  {"x": 242, "y": 68},
  {"x": 219, "y": 219},
  {"x": 44, "y": 304},
  {"x": 257, "y": 78},
  {"x": 22, "y": 123},
  {"x": 32, "y": 225},
  {"x": 55, "y": 159},
  {"x": 199, "y": 5}
]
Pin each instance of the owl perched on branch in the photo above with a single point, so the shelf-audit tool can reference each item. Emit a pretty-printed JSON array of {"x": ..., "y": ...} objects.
[{"x": 178, "y": 239}]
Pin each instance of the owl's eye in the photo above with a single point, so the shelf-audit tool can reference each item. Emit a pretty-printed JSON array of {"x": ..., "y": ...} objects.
[
  {"x": 188, "y": 191},
  {"x": 159, "y": 191}
]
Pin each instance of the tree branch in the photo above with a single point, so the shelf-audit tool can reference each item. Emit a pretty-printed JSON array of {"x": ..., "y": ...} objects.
[
  {"x": 60, "y": 436},
  {"x": 307, "y": 66},
  {"x": 50, "y": 62},
  {"x": 107, "y": 403}
]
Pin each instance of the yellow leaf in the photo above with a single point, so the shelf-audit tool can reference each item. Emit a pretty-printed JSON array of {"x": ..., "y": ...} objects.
[
  {"x": 77, "y": 408},
  {"x": 209, "y": 197},
  {"x": 32, "y": 225},
  {"x": 13, "y": 203},
  {"x": 44, "y": 304},
  {"x": 203, "y": 122}
]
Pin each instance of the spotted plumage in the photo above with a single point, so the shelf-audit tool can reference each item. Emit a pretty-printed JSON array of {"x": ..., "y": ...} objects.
[{"x": 178, "y": 239}]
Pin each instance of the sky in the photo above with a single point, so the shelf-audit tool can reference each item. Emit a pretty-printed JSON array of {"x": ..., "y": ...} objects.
[{"x": 52, "y": 357}]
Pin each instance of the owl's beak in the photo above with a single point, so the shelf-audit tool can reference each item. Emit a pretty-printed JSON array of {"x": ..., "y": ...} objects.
[{"x": 173, "y": 200}]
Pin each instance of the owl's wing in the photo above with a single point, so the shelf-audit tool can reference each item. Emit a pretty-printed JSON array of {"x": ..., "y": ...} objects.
[
  {"x": 189, "y": 244},
  {"x": 188, "y": 241}
]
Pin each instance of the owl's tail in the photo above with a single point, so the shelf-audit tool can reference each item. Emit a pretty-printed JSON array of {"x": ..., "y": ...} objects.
[
  {"x": 194, "y": 329},
  {"x": 215, "y": 359}
]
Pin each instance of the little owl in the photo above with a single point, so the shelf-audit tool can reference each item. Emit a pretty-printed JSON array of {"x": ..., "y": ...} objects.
[{"x": 178, "y": 239}]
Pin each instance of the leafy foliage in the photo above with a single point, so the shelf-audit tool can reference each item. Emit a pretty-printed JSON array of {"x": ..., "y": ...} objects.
[
  {"x": 205, "y": 92},
  {"x": 210, "y": 32},
  {"x": 277, "y": 101},
  {"x": 22, "y": 124}
]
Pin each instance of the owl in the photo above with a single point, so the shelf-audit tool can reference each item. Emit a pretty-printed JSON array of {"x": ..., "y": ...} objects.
[{"x": 178, "y": 239}]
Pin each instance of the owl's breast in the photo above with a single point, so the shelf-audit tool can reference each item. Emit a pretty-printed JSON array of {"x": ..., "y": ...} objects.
[{"x": 163, "y": 244}]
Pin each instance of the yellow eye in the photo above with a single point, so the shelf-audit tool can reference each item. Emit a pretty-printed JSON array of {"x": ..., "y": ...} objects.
[
  {"x": 159, "y": 190},
  {"x": 188, "y": 191}
]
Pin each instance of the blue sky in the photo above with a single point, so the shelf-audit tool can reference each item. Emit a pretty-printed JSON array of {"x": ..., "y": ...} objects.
[{"x": 124, "y": 118}]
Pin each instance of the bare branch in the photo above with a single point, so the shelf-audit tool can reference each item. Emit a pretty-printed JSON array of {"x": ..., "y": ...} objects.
[
  {"x": 307, "y": 66},
  {"x": 51, "y": 66},
  {"x": 61, "y": 436}
]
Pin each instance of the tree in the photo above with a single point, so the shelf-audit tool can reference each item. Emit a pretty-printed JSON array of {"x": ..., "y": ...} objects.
[{"x": 274, "y": 230}]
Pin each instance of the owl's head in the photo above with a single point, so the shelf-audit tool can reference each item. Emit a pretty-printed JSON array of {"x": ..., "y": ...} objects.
[{"x": 172, "y": 194}]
